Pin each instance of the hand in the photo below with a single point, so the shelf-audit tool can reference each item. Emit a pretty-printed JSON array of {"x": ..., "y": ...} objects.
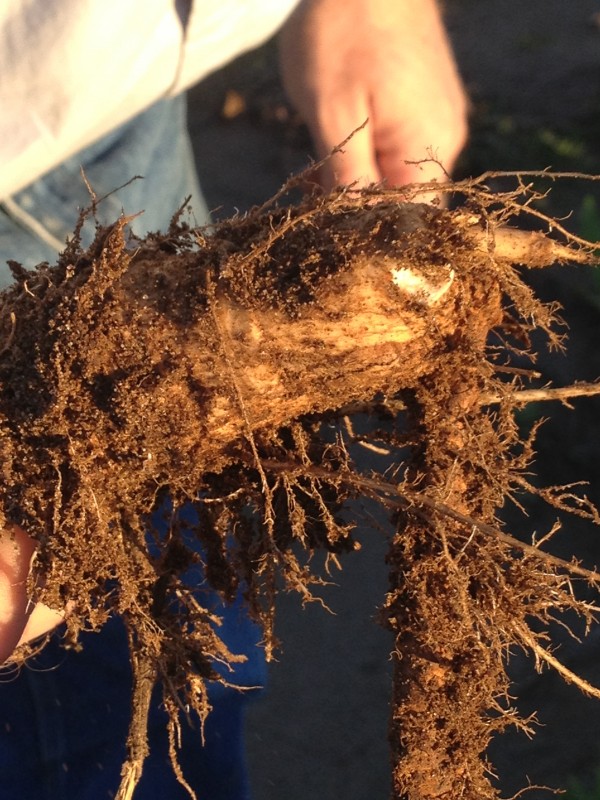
[
  {"x": 385, "y": 60},
  {"x": 20, "y": 619}
]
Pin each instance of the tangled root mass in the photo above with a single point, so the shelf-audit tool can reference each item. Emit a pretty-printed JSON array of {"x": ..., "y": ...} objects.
[{"x": 197, "y": 368}]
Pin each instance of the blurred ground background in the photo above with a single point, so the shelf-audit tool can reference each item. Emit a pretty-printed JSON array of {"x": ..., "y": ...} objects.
[{"x": 533, "y": 74}]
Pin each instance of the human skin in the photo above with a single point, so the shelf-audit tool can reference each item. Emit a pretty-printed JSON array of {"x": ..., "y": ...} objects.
[
  {"x": 385, "y": 61},
  {"x": 20, "y": 620}
]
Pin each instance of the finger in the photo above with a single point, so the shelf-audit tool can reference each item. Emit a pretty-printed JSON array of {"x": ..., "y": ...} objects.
[
  {"x": 413, "y": 151},
  {"x": 402, "y": 171},
  {"x": 41, "y": 620},
  {"x": 352, "y": 162},
  {"x": 16, "y": 550}
]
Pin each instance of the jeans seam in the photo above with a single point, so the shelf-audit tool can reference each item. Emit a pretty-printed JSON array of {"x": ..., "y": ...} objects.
[{"x": 30, "y": 224}]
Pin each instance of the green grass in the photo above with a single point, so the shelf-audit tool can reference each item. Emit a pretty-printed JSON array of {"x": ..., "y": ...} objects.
[{"x": 577, "y": 791}]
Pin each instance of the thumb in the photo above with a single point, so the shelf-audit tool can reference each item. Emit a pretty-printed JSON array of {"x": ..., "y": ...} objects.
[{"x": 16, "y": 550}]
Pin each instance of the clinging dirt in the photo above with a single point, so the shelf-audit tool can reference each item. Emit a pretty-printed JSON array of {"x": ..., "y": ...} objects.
[{"x": 198, "y": 366}]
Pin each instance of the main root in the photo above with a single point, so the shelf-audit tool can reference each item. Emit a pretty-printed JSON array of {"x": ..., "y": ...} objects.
[{"x": 196, "y": 369}]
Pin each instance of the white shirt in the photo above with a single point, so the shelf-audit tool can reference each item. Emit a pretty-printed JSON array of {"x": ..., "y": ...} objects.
[{"x": 71, "y": 70}]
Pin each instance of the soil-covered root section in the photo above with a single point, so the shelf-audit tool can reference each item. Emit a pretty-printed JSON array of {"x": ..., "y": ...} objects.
[
  {"x": 462, "y": 593},
  {"x": 197, "y": 367}
]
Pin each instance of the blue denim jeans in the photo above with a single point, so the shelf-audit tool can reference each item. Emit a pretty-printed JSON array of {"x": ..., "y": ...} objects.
[
  {"x": 64, "y": 717},
  {"x": 35, "y": 222}
]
